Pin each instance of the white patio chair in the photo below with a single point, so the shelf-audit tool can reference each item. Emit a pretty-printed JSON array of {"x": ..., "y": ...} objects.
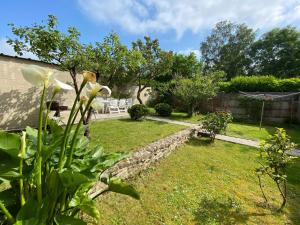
[
  {"x": 128, "y": 103},
  {"x": 113, "y": 106},
  {"x": 122, "y": 105}
]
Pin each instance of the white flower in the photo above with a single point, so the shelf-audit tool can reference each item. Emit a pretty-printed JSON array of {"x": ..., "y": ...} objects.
[
  {"x": 39, "y": 76},
  {"x": 105, "y": 91},
  {"x": 62, "y": 85},
  {"x": 36, "y": 75}
]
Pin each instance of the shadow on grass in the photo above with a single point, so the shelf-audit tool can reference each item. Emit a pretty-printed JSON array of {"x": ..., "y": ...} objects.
[
  {"x": 219, "y": 211},
  {"x": 203, "y": 141},
  {"x": 128, "y": 120},
  {"x": 293, "y": 202}
]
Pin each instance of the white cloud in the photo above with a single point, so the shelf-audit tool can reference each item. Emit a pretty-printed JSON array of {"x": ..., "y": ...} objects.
[
  {"x": 9, "y": 50},
  {"x": 142, "y": 16}
]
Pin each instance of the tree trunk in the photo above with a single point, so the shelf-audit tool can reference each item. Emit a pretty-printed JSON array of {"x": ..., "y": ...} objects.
[
  {"x": 190, "y": 111},
  {"x": 138, "y": 96}
]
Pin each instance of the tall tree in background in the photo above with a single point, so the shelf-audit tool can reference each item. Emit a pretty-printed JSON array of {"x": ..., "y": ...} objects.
[
  {"x": 112, "y": 61},
  {"x": 227, "y": 48},
  {"x": 277, "y": 53},
  {"x": 51, "y": 45},
  {"x": 153, "y": 63}
]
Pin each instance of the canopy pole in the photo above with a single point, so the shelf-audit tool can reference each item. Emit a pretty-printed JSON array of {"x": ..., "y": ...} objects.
[{"x": 262, "y": 114}]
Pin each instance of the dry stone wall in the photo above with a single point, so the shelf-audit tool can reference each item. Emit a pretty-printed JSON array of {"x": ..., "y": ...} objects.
[{"x": 144, "y": 158}]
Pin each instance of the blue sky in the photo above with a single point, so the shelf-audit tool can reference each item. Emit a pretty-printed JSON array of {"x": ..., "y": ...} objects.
[{"x": 180, "y": 25}]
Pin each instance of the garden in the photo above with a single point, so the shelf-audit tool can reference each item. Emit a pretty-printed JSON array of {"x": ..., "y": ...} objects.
[{"x": 148, "y": 168}]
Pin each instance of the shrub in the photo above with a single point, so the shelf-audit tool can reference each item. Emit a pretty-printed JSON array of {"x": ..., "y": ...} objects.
[
  {"x": 216, "y": 123},
  {"x": 138, "y": 111},
  {"x": 275, "y": 159},
  {"x": 261, "y": 83},
  {"x": 46, "y": 173},
  {"x": 163, "y": 109}
]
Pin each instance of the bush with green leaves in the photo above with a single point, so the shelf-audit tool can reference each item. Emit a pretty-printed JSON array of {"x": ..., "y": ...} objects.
[
  {"x": 216, "y": 123},
  {"x": 261, "y": 83},
  {"x": 275, "y": 159},
  {"x": 46, "y": 173},
  {"x": 138, "y": 111},
  {"x": 163, "y": 109}
]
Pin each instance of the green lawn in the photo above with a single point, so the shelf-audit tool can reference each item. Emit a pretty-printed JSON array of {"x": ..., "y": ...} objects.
[
  {"x": 203, "y": 183},
  {"x": 127, "y": 135},
  {"x": 245, "y": 130}
]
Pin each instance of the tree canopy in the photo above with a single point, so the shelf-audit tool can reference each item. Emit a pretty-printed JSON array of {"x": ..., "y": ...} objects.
[{"x": 227, "y": 48}]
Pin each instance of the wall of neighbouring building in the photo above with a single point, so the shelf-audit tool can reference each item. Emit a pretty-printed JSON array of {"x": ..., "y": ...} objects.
[
  {"x": 19, "y": 100},
  {"x": 280, "y": 110}
]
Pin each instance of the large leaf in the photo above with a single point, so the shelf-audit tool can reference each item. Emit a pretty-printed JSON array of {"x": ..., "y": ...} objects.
[
  {"x": 68, "y": 220},
  {"x": 72, "y": 180},
  {"x": 31, "y": 221},
  {"x": 118, "y": 186},
  {"x": 9, "y": 167},
  {"x": 9, "y": 197},
  {"x": 86, "y": 204},
  {"x": 29, "y": 210},
  {"x": 10, "y": 143}
]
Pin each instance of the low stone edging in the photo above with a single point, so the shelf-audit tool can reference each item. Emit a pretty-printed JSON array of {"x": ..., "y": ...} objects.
[{"x": 143, "y": 158}]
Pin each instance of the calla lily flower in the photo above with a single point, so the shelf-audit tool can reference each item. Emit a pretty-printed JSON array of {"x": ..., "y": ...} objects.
[
  {"x": 95, "y": 89},
  {"x": 105, "y": 91},
  {"x": 62, "y": 85},
  {"x": 36, "y": 75},
  {"x": 39, "y": 76},
  {"x": 89, "y": 76}
]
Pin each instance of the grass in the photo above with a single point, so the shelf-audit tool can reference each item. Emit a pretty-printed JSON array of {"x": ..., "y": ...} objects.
[
  {"x": 127, "y": 135},
  {"x": 245, "y": 130},
  {"x": 203, "y": 184}
]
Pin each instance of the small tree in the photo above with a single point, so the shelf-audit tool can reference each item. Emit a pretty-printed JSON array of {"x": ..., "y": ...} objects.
[
  {"x": 201, "y": 87},
  {"x": 275, "y": 159}
]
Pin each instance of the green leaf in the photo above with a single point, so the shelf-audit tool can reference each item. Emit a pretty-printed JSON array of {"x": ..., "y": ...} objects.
[
  {"x": 68, "y": 220},
  {"x": 10, "y": 143},
  {"x": 31, "y": 221},
  {"x": 72, "y": 180},
  {"x": 9, "y": 167},
  {"x": 29, "y": 210},
  {"x": 9, "y": 197},
  {"x": 86, "y": 204},
  {"x": 118, "y": 186}
]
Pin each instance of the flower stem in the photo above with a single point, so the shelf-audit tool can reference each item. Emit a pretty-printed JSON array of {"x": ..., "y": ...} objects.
[
  {"x": 70, "y": 158},
  {"x": 22, "y": 155},
  {"x": 67, "y": 129},
  {"x": 7, "y": 213},
  {"x": 39, "y": 149},
  {"x": 48, "y": 110}
]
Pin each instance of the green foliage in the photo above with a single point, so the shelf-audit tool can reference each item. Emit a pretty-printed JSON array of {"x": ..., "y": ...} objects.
[
  {"x": 274, "y": 161},
  {"x": 151, "y": 63},
  {"x": 47, "y": 173},
  {"x": 261, "y": 83},
  {"x": 216, "y": 123},
  {"x": 277, "y": 52},
  {"x": 138, "y": 111},
  {"x": 227, "y": 48},
  {"x": 163, "y": 109},
  {"x": 201, "y": 87}
]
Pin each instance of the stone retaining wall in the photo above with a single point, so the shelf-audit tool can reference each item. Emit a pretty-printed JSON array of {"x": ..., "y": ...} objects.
[{"x": 144, "y": 158}]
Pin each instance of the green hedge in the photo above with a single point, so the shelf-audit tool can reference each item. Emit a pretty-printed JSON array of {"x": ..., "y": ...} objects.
[{"x": 261, "y": 83}]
